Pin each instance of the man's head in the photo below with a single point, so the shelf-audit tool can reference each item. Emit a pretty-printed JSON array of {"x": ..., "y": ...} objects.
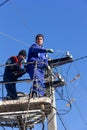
[
  {"x": 22, "y": 55},
  {"x": 39, "y": 39}
]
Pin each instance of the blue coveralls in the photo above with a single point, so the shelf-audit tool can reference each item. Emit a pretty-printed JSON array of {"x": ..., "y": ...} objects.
[
  {"x": 12, "y": 73},
  {"x": 38, "y": 62}
]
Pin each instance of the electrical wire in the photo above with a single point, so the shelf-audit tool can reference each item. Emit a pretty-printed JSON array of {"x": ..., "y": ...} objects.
[
  {"x": 81, "y": 115},
  {"x": 61, "y": 119},
  {"x": 21, "y": 17},
  {"x": 43, "y": 126},
  {"x": 4, "y": 2},
  {"x": 12, "y": 38},
  {"x": 80, "y": 58},
  {"x": 3, "y": 127},
  {"x": 66, "y": 88},
  {"x": 63, "y": 111}
]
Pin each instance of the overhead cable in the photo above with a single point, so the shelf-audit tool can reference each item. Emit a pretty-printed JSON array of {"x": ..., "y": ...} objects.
[
  {"x": 80, "y": 58},
  {"x": 20, "y": 15},
  {"x": 4, "y": 2},
  {"x": 62, "y": 121},
  {"x": 12, "y": 38}
]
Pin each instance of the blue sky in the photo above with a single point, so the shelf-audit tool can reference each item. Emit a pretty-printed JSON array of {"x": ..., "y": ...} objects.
[{"x": 64, "y": 25}]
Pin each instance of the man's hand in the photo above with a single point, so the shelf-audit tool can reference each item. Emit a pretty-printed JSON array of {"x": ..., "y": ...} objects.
[
  {"x": 50, "y": 50},
  {"x": 48, "y": 67}
]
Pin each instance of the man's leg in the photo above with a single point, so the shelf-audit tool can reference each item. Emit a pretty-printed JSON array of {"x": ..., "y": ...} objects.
[{"x": 11, "y": 90}]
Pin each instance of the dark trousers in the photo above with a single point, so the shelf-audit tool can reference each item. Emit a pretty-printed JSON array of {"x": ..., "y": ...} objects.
[
  {"x": 11, "y": 90},
  {"x": 10, "y": 87}
]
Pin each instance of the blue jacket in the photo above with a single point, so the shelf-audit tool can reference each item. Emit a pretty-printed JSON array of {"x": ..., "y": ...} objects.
[{"x": 37, "y": 54}]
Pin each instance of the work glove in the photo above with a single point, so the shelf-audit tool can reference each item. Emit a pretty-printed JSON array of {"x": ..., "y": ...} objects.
[
  {"x": 49, "y": 72},
  {"x": 23, "y": 61},
  {"x": 48, "y": 67},
  {"x": 50, "y": 50}
]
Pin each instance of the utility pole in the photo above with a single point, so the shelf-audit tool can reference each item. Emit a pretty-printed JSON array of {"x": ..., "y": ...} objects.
[{"x": 52, "y": 119}]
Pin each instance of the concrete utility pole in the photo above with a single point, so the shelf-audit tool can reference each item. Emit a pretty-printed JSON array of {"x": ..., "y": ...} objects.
[
  {"x": 52, "y": 119},
  {"x": 21, "y": 123}
]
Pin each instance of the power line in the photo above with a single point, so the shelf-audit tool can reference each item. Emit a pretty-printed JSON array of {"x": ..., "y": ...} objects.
[
  {"x": 26, "y": 44},
  {"x": 12, "y": 38},
  {"x": 4, "y": 3},
  {"x": 62, "y": 121},
  {"x": 80, "y": 58},
  {"x": 21, "y": 17}
]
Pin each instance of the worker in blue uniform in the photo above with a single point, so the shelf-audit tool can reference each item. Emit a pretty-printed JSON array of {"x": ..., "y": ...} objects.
[
  {"x": 37, "y": 62},
  {"x": 13, "y": 70}
]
